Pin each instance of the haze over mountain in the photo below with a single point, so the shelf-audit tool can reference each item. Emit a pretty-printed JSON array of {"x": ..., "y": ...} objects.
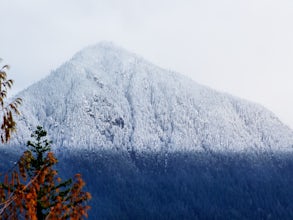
[{"x": 108, "y": 98}]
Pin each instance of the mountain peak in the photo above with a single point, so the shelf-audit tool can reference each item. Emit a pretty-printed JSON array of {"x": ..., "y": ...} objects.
[
  {"x": 107, "y": 97},
  {"x": 104, "y": 45},
  {"x": 101, "y": 47},
  {"x": 102, "y": 51}
]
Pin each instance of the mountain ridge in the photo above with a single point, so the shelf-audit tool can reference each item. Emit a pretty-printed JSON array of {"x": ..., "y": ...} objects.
[{"x": 107, "y": 97}]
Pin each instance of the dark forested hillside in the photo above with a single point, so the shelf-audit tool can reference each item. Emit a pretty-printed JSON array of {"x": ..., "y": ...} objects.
[{"x": 182, "y": 185}]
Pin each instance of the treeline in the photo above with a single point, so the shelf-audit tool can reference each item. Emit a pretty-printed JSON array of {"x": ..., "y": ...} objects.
[{"x": 188, "y": 186}]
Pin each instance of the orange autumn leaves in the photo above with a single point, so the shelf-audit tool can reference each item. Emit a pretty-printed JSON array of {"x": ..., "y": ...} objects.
[
  {"x": 8, "y": 124},
  {"x": 34, "y": 190}
]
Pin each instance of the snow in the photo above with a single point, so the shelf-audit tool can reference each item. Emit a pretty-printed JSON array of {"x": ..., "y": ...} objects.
[{"x": 108, "y": 98}]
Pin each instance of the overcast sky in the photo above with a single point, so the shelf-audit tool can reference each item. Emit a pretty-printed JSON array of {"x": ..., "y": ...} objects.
[{"x": 243, "y": 47}]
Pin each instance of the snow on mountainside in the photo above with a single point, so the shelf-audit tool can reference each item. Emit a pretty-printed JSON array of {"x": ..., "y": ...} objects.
[{"x": 106, "y": 97}]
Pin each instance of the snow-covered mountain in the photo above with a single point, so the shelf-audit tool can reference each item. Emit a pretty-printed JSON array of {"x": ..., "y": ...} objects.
[{"x": 108, "y": 98}]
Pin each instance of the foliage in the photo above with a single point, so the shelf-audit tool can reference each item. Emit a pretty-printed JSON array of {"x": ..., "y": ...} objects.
[
  {"x": 34, "y": 190},
  {"x": 8, "y": 124}
]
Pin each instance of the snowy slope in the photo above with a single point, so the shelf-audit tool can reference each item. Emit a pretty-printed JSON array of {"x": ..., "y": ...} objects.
[{"x": 106, "y": 97}]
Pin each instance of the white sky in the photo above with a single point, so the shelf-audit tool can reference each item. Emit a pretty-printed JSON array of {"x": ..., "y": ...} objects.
[{"x": 243, "y": 47}]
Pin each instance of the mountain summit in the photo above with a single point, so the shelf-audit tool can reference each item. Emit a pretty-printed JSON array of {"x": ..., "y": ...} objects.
[{"x": 108, "y": 98}]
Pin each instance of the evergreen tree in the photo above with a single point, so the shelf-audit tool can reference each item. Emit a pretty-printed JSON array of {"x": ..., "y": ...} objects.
[{"x": 35, "y": 191}]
